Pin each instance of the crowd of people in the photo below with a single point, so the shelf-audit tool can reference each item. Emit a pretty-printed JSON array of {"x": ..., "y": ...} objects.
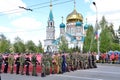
[
  {"x": 45, "y": 64},
  {"x": 113, "y": 58}
]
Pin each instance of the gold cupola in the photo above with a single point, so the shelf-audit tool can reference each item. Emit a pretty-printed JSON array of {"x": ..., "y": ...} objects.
[{"x": 74, "y": 16}]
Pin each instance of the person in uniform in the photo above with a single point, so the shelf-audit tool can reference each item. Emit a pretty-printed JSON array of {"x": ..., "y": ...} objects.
[
  {"x": 68, "y": 63},
  {"x": 56, "y": 63},
  {"x": 17, "y": 62},
  {"x": 81, "y": 61},
  {"x": 89, "y": 61},
  {"x": 27, "y": 63},
  {"x": 53, "y": 65},
  {"x": 1, "y": 61},
  {"x": 47, "y": 64},
  {"x": 75, "y": 61},
  {"x": 11, "y": 62},
  {"x": 71, "y": 62},
  {"x": 22, "y": 63},
  {"x": 6, "y": 64},
  {"x": 34, "y": 64},
  {"x": 43, "y": 70},
  {"x": 43, "y": 66},
  {"x": 63, "y": 64},
  {"x": 60, "y": 64},
  {"x": 93, "y": 60},
  {"x": 78, "y": 61}
]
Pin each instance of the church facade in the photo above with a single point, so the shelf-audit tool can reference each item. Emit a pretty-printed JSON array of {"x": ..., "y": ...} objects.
[{"x": 73, "y": 31}]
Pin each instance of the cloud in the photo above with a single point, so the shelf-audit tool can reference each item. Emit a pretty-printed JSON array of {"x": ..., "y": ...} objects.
[
  {"x": 108, "y": 8},
  {"x": 106, "y": 5},
  {"x": 26, "y": 23},
  {"x": 25, "y": 36},
  {"x": 11, "y": 6},
  {"x": 28, "y": 28},
  {"x": 4, "y": 29}
]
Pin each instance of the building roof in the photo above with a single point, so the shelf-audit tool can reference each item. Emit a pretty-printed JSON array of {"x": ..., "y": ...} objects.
[
  {"x": 78, "y": 24},
  {"x": 74, "y": 16},
  {"x": 62, "y": 25}
]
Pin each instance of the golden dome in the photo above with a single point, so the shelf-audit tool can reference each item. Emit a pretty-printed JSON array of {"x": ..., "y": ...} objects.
[{"x": 74, "y": 17}]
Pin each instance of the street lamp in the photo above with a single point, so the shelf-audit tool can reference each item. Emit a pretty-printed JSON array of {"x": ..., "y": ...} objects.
[{"x": 96, "y": 30}]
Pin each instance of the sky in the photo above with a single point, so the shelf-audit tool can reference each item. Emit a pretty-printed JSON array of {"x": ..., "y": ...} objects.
[{"x": 31, "y": 25}]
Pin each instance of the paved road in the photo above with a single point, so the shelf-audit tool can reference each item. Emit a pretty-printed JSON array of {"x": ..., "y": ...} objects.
[{"x": 103, "y": 72}]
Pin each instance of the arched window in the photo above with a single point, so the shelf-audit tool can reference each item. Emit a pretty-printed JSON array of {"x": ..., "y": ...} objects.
[{"x": 50, "y": 23}]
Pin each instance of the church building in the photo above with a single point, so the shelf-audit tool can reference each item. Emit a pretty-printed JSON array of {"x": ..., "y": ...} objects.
[{"x": 73, "y": 31}]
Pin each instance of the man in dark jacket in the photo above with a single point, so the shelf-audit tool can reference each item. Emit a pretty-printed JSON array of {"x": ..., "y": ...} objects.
[
  {"x": 17, "y": 62},
  {"x": 6, "y": 64},
  {"x": 27, "y": 63}
]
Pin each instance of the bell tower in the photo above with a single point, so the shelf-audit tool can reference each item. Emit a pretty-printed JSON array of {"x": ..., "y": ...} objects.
[{"x": 50, "y": 32}]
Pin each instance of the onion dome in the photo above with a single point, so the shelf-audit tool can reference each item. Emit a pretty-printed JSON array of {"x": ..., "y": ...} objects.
[
  {"x": 74, "y": 17},
  {"x": 62, "y": 25},
  {"x": 86, "y": 26},
  {"x": 78, "y": 23}
]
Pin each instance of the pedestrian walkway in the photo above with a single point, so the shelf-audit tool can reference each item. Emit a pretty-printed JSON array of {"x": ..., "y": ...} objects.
[{"x": 103, "y": 72}]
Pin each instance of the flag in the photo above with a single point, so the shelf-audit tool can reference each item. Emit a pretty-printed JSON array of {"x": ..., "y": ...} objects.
[{"x": 96, "y": 35}]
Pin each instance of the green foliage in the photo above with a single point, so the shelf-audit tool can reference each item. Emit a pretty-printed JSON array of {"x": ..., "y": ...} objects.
[
  {"x": 4, "y": 44},
  {"x": 18, "y": 46},
  {"x": 115, "y": 47},
  {"x": 63, "y": 45},
  {"x": 88, "y": 39},
  {"x": 103, "y": 23},
  {"x": 39, "y": 48},
  {"x": 106, "y": 39},
  {"x": 30, "y": 46}
]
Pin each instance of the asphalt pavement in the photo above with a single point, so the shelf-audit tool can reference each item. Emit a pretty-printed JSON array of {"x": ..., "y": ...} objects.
[{"x": 103, "y": 72}]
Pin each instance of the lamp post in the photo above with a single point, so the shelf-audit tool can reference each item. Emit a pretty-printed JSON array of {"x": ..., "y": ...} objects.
[{"x": 96, "y": 30}]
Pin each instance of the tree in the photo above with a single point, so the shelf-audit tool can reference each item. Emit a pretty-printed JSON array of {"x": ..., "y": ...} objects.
[
  {"x": 88, "y": 39},
  {"x": 105, "y": 40},
  {"x": 103, "y": 23},
  {"x": 39, "y": 47},
  {"x": 30, "y": 46},
  {"x": 112, "y": 31},
  {"x": 19, "y": 46},
  {"x": 4, "y": 44},
  {"x": 115, "y": 47},
  {"x": 63, "y": 45}
]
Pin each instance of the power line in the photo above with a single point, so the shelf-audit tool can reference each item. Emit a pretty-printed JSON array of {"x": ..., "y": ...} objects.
[
  {"x": 42, "y": 3},
  {"x": 18, "y": 10},
  {"x": 55, "y": 4},
  {"x": 29, "y": 6}
]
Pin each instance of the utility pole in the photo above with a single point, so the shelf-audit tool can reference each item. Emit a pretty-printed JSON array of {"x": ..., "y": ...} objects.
[{"x": 96, "y": 30}]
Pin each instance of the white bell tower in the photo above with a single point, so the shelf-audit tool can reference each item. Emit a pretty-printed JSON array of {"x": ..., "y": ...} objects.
[{"x": 50, "y": 33}]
